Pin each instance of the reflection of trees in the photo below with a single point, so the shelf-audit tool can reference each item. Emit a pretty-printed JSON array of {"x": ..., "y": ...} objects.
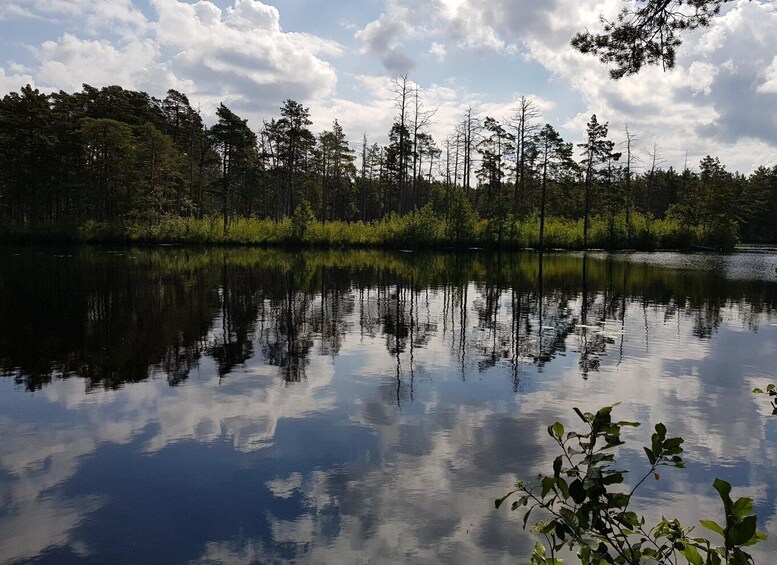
[
  {"x": 286, "y": 338},
  {"x": 113, "y": 318},
  {"x": 232, "y": 343},
  {"x": 94, "y": 315}
]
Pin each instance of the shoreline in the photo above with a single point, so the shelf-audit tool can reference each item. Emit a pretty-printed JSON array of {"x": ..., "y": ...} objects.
[{"x": 411, "y": 232}]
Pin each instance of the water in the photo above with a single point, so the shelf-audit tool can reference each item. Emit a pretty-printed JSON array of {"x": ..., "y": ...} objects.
[{"x": 240, "y": 406}]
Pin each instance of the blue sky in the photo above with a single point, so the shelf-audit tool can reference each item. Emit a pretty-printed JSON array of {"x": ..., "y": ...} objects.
[{"x": 337, "y": 58}]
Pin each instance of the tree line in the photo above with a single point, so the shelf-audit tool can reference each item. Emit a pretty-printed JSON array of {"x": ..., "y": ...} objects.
[{"x": 115, "y": 155}]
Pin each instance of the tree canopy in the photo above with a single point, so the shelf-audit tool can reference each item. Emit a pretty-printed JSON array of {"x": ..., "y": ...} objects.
[{"x": 111, "y": 155}]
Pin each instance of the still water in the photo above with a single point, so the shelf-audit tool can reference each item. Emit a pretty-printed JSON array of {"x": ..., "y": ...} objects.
[{"x": 254, "y": 406}]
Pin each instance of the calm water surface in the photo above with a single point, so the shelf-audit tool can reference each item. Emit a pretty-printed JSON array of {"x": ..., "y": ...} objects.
[{"x": 243, "y": 406}]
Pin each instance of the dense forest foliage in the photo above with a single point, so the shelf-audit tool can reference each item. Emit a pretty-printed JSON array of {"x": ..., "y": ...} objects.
[{"x": 111, "y": 156}]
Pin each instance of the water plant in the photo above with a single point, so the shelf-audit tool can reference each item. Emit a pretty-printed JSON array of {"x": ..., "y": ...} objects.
[
  {"x": 771, "y": 391},
  {"x": 584, "y": 509}
]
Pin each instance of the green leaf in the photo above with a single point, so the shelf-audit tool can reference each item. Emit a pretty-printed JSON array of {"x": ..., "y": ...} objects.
[
  {"x": 563, "y": 487},
  {"x": 499, "y": 501},
  {"x": 579, "y": 413},
  {"x": 570, "y": 518},
  {"x": 615, "y": 478},
  {"x": 557, "y": 466},
  {"x": 526, "y": 516},
  {"x": 618, "y": 500},
  {"x": 739, "y": 557},
  {"x": 661, "y": 430},
  {"x": 771, "y": 387},
  {"x": 630, "y": 424},
  {"x": 630, "y": 518},
  {"x": 547, "y": 485},
  {"x": 744, "y": 531},
  {"x": 758, "y": 537},
  {"x": 518, "y": 503},
  {"x": 651, "y": 457},
  {"x": 742, "y": 507},
  {"x": 724, "y": 489},
  {"x": 711, "y": 525},
  {"x": 757, "y": 390},
  {"x": 577, "y": 491},
  {"x": 558, "y": 430},
  {"x": 692, "y": 555}
]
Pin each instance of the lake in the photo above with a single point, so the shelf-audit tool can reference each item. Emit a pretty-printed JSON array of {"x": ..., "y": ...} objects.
[{"x": 173, "y": 405}]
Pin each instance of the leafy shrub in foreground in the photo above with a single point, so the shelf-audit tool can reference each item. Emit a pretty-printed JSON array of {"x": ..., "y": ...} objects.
[{"x": 584, "y": 513}]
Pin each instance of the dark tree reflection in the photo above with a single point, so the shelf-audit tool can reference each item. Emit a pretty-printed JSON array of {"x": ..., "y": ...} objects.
[{"x": 112, "y": 318}]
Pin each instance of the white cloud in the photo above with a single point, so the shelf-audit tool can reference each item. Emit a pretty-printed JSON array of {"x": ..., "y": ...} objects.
[
  {"x": 13, "y": 82},
  {"x": 719, "y": 99},
  {"x": 437, "y": 50},
  {"x": 384, "y": 37},
  {"x": 242, "y": 54},
  {"x": 94, "y": 17},
  {"x": 770, "y": 78},
  {"x": 239, "y": 55},
  {"x": 132, "y": 65}
]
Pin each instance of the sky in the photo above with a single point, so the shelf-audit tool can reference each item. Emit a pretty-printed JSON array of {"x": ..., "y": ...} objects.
[{"x": 338, "y": 58}]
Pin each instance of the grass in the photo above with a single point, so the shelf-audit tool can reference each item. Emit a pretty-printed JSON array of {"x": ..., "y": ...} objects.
[{"x": 421, "y": 229}]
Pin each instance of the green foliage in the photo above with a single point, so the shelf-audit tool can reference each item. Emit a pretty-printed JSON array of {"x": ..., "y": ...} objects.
[
  {"x": 589, "y": 513},
  {"x": 648, "y": 33},
  {"x": 302, "y": 219},
  {"x": 123, "y": 158},
  {"x": 462, "y": 218},
  {"x": 418, "y": 229}
]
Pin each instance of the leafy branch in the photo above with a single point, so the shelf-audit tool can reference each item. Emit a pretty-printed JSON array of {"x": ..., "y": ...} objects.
[
  {"x": 648, "y": 34},
  {"x": 585, "y": 513}
]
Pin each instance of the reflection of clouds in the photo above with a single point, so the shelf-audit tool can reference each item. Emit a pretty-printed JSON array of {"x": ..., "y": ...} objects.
[
  {"x": 32, "y": 519},
  {"x": 441, "y": 465},
  {"x": 445, "y": 450},
  {"x": 284, "y": 488},
  {"x": 246, "y": 408},
  {"x": 246, "y": 412},
  {"x": 32, "y": 525}
]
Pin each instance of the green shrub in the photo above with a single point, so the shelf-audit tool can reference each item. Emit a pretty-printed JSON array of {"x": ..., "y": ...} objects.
[
  {"x": 302, "y": 219},
  {"x": 588, "y": 513}
]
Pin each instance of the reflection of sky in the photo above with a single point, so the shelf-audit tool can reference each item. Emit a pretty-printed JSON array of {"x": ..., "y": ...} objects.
[{"x": 354, "y": 463}]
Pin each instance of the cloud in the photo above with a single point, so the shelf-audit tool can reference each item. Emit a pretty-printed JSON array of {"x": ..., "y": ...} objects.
[
  {"x": 770, "y": 78},
  {"x": 437, "y": 50},
  {"x": 242, "y": 55},
  {"x": 383, "y": 37},
  {"x": 133, "y": 65},
  {"x": 719, "y": 99},
  {"x": 14, "y": 81},
  {"x": 93, "y": 17},
  {"x": 239, "y": 55}
]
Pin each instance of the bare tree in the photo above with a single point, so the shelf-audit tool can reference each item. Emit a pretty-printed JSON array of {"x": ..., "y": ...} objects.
[
  {"x": 401, "y": 92},
  {"x": 421, "y": 120},
  {"x": 630, "y": 160},
  {"x": 656, "y": 161},
  {"x": 469, "y": 128},
  {"x": 525, "y": 121},
  {"x": 364, "y": 176}
]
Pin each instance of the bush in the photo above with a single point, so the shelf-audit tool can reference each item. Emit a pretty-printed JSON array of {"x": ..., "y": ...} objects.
[
  {"x": 588, "y": 515},
  {"x": 462, "y": 219},
  {"x": 302, "y": 219}
]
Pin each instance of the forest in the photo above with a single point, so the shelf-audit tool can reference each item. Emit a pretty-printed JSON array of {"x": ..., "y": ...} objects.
[{"x": 115, "y": 164}]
